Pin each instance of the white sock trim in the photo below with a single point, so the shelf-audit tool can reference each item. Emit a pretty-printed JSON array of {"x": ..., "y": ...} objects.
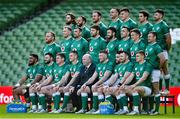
[
  {"x": 100, "y": 97},
  {"x": 125, "y": 108},
  {"x": 32, "y": 94},
  {"x": 40, "y": 107},
  {"x": 135, "y": 94},
  {"x": 157, "y": 95},
  {"x": 57, "y": 93},
  {"x": 84, "y": 94},
  {"x": 166, "y": 77},
  {"x": 136, "y": 108},
  {"x": 107, "y": 96},
  {"x": 54, "y": 94},
  {"x": 34, "y": 107},
  {"x": 66, "y": 93},
  {"x": 120, "y": 96},
  {"x": 95, "y": 93},
  {"x": 41, "y": 95}
]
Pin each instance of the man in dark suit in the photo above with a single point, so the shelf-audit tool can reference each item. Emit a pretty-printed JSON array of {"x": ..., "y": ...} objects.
[{"x": 86, "y": 71}]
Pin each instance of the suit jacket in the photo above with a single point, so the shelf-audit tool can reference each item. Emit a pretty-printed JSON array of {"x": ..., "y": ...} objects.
[{"x": 84, "y": 75}]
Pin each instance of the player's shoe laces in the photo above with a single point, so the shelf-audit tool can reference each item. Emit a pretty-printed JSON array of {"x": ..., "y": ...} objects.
[
  {"x": 133, "y": 113},
  {"x": 91, "y": 111},
  {"x": 82, "y": 111},
  {"x": 121, "y": 112}
]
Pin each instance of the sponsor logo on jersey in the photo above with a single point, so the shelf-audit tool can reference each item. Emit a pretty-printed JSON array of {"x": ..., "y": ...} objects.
[
  {"x": 91, "y": 49},
  {"x": 100, "y": 73}
]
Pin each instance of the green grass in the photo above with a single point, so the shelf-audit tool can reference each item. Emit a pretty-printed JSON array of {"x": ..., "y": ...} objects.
[{"x": 169, "y": 114}]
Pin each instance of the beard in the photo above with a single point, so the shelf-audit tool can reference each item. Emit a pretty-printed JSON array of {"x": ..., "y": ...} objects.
[
  {"x": 47, "y": 62},
  {"x": 30, "y": 63}
]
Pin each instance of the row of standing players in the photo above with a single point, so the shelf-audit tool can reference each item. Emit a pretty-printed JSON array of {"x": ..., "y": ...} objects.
[{"x": 152, "y": 42}]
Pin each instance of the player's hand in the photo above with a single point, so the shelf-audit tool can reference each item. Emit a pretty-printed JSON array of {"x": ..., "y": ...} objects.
[
  {"x": 38, "y": 87},
  {"x": 71, "y": 89},
  {"x": 132, "y": 86},
  {"x": 66, "y": 88},
  {"x": 83, "y": 86},
  {"x": 122, "y": 86},
  {"x": 28, "y": 85}
]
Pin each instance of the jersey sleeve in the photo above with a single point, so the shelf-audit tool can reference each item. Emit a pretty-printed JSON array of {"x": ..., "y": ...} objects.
[
  {"x": 148, "y": 68},
  {"x": 39, "y": 70},
  {"x": 109, "y": 67},
  {"x": 165, "y": 28},
  {"x": 103, "y": 44},
  {"x": 130, "y": 67},
  {"x": 158, "y": 50}
]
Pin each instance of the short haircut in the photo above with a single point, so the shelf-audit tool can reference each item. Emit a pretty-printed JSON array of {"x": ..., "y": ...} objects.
[
  {"x": 74, "y": 52},
  {"x": 154, "y": 33},
  {"x": 62, "y": 55},
  {"x": 80, "y": 29},
  {"x": 83, "y": 18},
  {"x": 136, "y": 31},
  {"x": 104, "y": 52},
  {"x": 141, "y": 52},
  {"x": 119, "y": 52},
  {"x": 160, "y": 11},
  {"x": 118, "y": 10},
  {"x": 98, "y": 12},
  {"x": 126, "y": 28},
  {"x": 50, "y": 54},
  {"x": 96, "y": 27},
  {"x": 68, "y": 27},
  {"x": 112, "y": 29},
  {"x": 145, "y": 13},
  {"x": 35, "y": 56},
  {"x": 52, "y": 34},
  {"x": 124, "y": 9}
]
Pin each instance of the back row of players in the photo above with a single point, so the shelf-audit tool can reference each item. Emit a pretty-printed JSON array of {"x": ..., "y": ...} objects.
[{"x": 139, "y": 55}]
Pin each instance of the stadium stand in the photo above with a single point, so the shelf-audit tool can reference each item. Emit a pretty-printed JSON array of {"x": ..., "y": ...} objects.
[
  {"x": 13, "y": 11},
  {"x": 18, "y": 43}
]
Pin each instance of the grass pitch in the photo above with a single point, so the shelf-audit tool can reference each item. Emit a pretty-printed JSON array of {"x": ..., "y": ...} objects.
[{"x": 169, "y": 115}]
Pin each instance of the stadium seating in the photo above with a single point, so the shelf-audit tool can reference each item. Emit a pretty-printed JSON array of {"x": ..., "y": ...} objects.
[
  {"x": 12, "y": 11},
  {"x": 17, "y": 44}
]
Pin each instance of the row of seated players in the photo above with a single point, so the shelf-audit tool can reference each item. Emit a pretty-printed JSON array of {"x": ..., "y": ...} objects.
[{"x": 112, "y": 81}]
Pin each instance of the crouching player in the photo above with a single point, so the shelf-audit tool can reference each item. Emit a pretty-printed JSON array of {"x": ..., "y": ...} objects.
[
  {"x": 141, "y": 72},
  {"x": 34, "y": 73}
]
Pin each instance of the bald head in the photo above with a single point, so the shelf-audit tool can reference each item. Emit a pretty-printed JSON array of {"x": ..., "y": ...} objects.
[{"x": 87, "y": 59}]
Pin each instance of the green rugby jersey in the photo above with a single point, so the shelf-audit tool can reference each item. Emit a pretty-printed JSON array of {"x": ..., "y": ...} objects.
[
  {"x": 53, "y": 48},
  {"x": 103, "y": 29},
  {"x": 131, "y": 24},
  {"x": 65, "y": 46},
  {"x": 102, "y": 68},
  {"x": 59, "y": 72},
  {"x": 125, "y": 45},
  {"x": 117, "y": 25},
  {"x": 73, "y": 68},
  {"x": 135, "y": 48},
  {"x": 151, "y": 52},
  {"x": 32, "y": 71},
  {"x": 81, "y": 46},
  {"x": 162, "y": 29},
  {"x": 145, "y": 29},
  {"x": 95, "y": 46},
  {"x": 138, "y": 71},
  {"x": 112, "y": 48},
  {"x": 86, "y": 33}
]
